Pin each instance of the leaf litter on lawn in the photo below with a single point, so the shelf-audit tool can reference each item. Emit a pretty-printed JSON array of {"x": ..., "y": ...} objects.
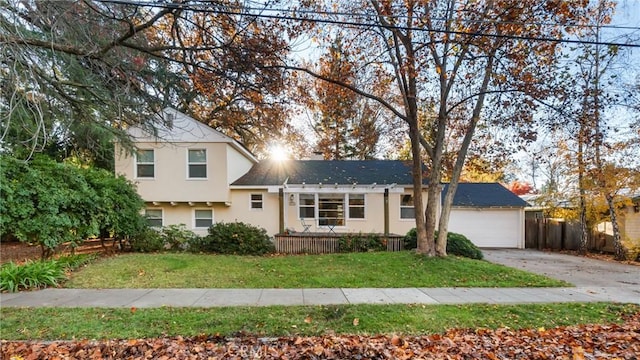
[{"x": 611, "y": 341}]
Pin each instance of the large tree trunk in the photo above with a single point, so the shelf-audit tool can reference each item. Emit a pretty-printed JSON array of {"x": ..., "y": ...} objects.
[{"x": 424, "y": 246}]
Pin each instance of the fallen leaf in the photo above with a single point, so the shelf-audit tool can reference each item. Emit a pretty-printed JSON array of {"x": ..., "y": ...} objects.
[
  {"x": 356, "y": 322},
  {"x": 308, "y": 320}
]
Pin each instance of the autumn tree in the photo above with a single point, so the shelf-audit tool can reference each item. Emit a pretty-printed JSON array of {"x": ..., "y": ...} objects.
[
  {"x": 460, "y": 61},
  {"x": 75, "y": 74},
  {"x": 347, "y": 125},
  {"x": 589, "y": 97}
]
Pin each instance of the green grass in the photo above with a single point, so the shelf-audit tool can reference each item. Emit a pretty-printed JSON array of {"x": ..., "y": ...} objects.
[
  {"x": 355, "y": 270},
  {"x": 101, "y": 323}
]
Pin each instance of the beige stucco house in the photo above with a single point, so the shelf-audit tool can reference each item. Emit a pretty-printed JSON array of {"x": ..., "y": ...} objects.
[{"x": 189, "y": 173}]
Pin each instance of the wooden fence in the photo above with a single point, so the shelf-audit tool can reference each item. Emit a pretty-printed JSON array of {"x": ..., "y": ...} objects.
[
  {"x": 562, "y": 235},
  {"x": 322, "y": 243}
]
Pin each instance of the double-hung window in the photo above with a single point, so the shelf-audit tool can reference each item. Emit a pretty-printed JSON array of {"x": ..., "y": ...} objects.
[
  {"x": 203, "y": 218},
  {"x": 197, "y": 163},
  {"x": 407, "y": 210},
  {"x": 154, "y": 217},
  {"x": 256, "y": 201},
  {"x": 356, "y": 206},
  {"x": 307, "y": 206},
  {"x": 145, "y": 164}
]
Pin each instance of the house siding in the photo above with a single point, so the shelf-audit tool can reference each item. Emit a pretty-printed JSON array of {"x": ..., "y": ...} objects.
[
  {"x": 631, "y": 226},
  {"x": 171, "y": 182}
]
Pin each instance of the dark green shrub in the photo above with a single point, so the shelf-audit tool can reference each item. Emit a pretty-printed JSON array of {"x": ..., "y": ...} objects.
[
  {"x": 178, "y": 237},
  {"x": 360, "y": 243},
  {"x": 149, "y": 240},
  {"x": 457, "y": 244},
  {"x": 235, "y": 238},
  {"x": 411, "y": 239}
]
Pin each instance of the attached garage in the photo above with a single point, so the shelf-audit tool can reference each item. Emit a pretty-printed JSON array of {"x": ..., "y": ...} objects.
[{"x": 488, "y": 214}]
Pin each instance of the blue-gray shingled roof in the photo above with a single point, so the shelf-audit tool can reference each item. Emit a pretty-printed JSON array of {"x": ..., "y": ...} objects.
[
  {"x": 342, "y": 172},
  {"x": 485, "y": 195}
]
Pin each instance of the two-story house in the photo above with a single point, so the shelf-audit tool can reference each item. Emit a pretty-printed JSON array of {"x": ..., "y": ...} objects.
[{"x": 189, "y": 173}]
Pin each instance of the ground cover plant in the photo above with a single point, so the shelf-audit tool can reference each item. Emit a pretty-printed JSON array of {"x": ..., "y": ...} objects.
[
  {"x": 356, "y": 270},
  {"x": 39, "y": 274},
  {"x": 273, "y": 321}
]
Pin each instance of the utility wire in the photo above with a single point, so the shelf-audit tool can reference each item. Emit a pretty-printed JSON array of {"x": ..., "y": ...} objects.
[{"x": 226, "y": 11}]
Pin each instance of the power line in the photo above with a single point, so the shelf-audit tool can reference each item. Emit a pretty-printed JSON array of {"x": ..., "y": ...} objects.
[{"x": 227, "y": 11}]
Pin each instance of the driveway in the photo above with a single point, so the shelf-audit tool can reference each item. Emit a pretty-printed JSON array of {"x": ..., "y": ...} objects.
[{"x": 577, "y": 270}]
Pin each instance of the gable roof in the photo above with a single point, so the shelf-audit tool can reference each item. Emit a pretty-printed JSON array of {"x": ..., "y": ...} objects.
[
  {"x": 341, "y": 172},
  {"x": 172, "y": 126},
  {"x": 485, "y": 195}
]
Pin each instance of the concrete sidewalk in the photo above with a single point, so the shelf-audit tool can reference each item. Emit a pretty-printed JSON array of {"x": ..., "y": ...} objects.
[{"x": 145, "y": 298}]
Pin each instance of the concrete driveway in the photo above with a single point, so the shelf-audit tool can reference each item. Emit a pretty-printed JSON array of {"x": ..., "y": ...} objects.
[{"x": 577, "y": 270}]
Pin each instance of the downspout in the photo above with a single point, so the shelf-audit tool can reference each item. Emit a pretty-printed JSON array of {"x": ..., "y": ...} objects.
[{"x": 386, "y": 212}]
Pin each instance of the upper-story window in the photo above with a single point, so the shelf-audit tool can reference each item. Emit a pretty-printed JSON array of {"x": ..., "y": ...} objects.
[
  {"x": 145, "y": 164},
  {"x": 407, "y": 210},
  {"x": 256, "y": 201},
  {"x": 197, "y": 163}
]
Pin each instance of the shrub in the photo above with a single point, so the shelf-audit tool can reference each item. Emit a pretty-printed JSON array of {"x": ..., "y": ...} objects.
[
  {"x": 178, "y": 237},
  {"x": 149, "y": 240},
  {"x": 235, "y": 238},
  {"x": 360, "y": 243},
  {"x": 457, "y": 244}
]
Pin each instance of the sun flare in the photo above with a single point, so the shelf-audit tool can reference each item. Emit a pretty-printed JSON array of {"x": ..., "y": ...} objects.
[{"x": 278, "y": 153}]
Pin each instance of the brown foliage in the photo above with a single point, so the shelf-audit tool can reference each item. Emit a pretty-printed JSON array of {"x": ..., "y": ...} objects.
[{"x": 571, "y": 342}]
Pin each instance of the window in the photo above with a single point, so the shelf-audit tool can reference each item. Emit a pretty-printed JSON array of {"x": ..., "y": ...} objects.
[
  {"x": 356, "y": 206},
  {"x": 331, "y": 209},
  {"x": 256, "y": 201},
  {"x": 197, "y": 164},
  {"x": 307, "y": 206},
  {"x": 203, "y": 218},
  {"x": 145, "y": 167},
  {"x": 154, "y": 217},
  {"x": 407, "y": 210}
]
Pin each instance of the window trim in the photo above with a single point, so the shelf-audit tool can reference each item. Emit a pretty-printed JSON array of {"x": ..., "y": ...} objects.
[
  {"x": 261, "y": 202},
  {"x": 195, "y": 218},
  {"x": 161, "y": 216},
  {"x": 400, "y": 207},
  {"x": 205, "y": 163},
  {"x": 136, "y": 163}
]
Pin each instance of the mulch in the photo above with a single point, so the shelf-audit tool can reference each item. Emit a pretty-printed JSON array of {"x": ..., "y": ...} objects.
[
  {"x": 19, "y": 252},
  {"x": 570, "y": 342}
]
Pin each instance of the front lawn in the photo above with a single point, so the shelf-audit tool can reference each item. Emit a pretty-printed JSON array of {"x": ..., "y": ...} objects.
[
  {"x": 274, "y": 321},
  {"x": 353, "y": 270}
]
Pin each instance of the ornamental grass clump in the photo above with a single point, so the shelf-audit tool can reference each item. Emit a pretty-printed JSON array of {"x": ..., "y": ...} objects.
[
  {"x": 38, "y": 274},
  {"x": 30, "y": 275}
]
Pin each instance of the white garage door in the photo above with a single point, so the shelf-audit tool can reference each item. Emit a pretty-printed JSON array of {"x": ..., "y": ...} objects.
[{"x": 489, "y": 228}]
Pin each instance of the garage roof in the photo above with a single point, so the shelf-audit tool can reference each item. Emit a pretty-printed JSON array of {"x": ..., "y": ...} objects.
[{"x": 485, "y": 195}]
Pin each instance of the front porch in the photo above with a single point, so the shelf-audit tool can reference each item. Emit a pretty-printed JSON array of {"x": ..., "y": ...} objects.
[{"x": 330, "y": 242}]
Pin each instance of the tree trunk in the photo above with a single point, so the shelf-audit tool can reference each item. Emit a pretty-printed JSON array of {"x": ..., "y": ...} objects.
[
  {"x": 425, "y": 246},
  {"x": 619, "y": 251}
]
